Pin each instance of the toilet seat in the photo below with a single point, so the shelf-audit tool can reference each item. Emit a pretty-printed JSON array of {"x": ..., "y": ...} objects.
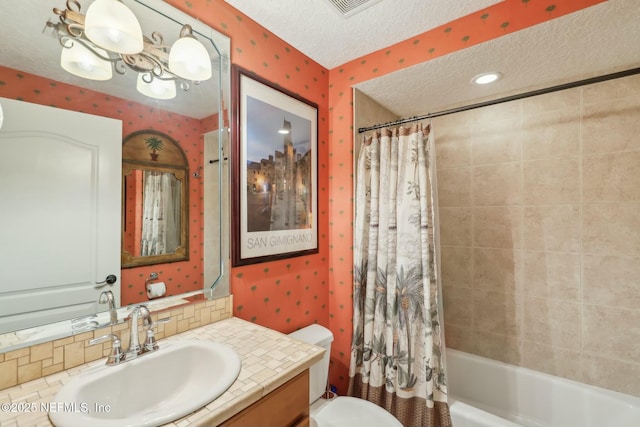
[{"x": 347, "y": 411}]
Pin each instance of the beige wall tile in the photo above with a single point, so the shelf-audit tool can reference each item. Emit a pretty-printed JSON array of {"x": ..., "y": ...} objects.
[
  {"x": 497, "y": 227},
  {"x": 454, "y": 187},
  {"x": 611, "y": 177},
  {"x": 497, "y": 185},
  {"x": 552, "y": 360},
  {"x": 553, "y": 134},
  {"x": 188, "y": 311},
  {"x": 497, "y": 312},
  {"x": 16, "y": 354},
  {"x": 495, "y": 117},
  {"x": 552, "y": 322},
  {"x": 612, "y": 374},
  {"x": 556, "y": 103},
  {"x": 551, "y": 275},
  {"x": 93, "y": 352},
  {"x": 458, "y": 308},
  {"x": 551, "y": 181},
  {"x": 42, "y": 351},
  {"x": 611, "y": 126},
  {"x": 8, "y": 373},
  {"x": 612, "y": 229},
  {"x": 578, "y": 267},
  {"x": 496, "y": 270},
  {"x": 505, "y": 348},
  {"x": 551, "y": 228},
  {"x": 73, "y": 355},
  {"x": 58, "y": 355},
  {"x": 460, "y": 338},
  {"x": 53, "y": 369},
  {"x": 453, "y": 147},
  {"x": 496, "y": 146},
  {"x": 456, "y": 266},
  {"x": 628, "y": 87},
  {"x": 612, "y": 280},
  {"x": 611, "y": 332},
  {"x": 455, "y": 226},
  {"x": 29, "y": 372}
]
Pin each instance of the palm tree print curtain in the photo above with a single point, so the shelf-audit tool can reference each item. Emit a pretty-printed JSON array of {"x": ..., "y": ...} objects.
[
  {"x": 161, "y": 214},
  {"x": 397, "y": 349}
]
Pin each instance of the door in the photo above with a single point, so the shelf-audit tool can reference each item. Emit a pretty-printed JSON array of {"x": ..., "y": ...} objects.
[{"x": 60, "y": 196}]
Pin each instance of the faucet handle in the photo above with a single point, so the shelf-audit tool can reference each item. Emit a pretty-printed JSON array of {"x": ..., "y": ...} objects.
[
  {"x": 116, "y": 355},
  {"x": 150, "y": 343}
]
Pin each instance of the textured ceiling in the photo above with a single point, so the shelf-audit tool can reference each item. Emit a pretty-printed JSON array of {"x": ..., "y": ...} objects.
[
  {"x": 317, "y": 29},
  {"x": 594, "y": 41}
]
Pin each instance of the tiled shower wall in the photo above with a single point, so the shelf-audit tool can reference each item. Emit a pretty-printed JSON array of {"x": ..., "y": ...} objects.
[{"x": 540, "y": 232}]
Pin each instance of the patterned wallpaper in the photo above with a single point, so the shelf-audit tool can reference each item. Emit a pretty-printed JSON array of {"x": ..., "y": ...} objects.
[{"x": 288, "y": 294}]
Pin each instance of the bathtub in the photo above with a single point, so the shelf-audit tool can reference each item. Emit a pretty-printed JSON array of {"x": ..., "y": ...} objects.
[{"x": 488, "y": 393}]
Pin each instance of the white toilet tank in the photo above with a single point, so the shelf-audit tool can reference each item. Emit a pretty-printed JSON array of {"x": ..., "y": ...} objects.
[{"x": 318, "y": 373}]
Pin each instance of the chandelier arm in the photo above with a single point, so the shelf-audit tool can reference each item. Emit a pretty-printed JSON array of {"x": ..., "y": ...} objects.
[
  {"x": 186, "y": 30},
  {"x": 65, "y": 39},
  {"x": 158, "y": 40},
  {"x": 120, "y": 67},
  {"x": 73, "y": 5},
  {"x": 145, "y": 62},
  {"x": 75, "y": 30}
]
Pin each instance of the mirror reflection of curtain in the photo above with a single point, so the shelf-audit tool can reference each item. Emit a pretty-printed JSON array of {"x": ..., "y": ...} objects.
[{"x": 161, "y": 214}]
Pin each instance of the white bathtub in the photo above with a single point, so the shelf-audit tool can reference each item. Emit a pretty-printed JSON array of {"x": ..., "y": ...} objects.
[{"x": 487, "y": 393}]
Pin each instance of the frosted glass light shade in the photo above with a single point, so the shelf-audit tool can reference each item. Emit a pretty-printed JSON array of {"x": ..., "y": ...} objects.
[
  {"x": 78, "y": 60},
  {"x": 190, "y": 60},
  {"x": 112, "y": 25},
  {"x": 158, "y": 88}
]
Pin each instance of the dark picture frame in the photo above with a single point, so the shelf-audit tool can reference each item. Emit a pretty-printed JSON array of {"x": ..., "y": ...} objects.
[{"x": 274, "y": 171}]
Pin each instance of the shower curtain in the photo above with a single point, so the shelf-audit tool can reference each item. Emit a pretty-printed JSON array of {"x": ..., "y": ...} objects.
[
  {"x": 161, "y": 214},
  {"x": 397, "y": 353}
]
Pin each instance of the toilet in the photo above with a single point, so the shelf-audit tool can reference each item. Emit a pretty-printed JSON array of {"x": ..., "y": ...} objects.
[{"x": 340, "y": 411}]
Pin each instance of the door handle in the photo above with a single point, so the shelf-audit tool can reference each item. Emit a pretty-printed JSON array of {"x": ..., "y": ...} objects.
[{"x": 110, "y": 280}]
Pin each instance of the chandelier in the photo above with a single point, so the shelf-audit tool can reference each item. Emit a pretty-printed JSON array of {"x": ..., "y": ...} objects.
[{"x": 109, "y": 38}]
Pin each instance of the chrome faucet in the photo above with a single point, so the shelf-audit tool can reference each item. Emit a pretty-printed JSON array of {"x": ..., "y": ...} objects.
[
  {"x": 135, "y": 348},
  {"x": 106, "y": 297}
]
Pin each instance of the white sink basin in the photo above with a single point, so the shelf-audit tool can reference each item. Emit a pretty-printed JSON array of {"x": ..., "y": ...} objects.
[{"x": 179, "y": 378}]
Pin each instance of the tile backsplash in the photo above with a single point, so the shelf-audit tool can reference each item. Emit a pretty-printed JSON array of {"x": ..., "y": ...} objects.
[
  {"x": 30, "y": 363},
  {"x": 540, "y": 232}
]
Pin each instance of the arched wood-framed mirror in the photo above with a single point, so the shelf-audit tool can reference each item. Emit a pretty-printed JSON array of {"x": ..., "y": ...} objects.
[{"x": 155, "y": 189}]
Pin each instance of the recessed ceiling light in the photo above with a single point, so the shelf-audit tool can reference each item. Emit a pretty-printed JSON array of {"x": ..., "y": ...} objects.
[{"x": 486, "y": 78}]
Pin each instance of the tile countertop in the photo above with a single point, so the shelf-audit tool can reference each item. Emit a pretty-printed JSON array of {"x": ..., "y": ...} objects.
[{"x": 269, "y": 359}]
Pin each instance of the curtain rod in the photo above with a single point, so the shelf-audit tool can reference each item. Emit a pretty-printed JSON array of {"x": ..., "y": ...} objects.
[{"x": 508, "y": 98}]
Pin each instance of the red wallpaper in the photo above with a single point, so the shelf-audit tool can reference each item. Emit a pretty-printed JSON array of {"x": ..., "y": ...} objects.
[
  {"x": 289, "y": 294},
  {"x": 286, "y": 295}
]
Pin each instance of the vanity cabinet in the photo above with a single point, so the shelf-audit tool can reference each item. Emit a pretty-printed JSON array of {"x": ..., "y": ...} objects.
[{"x": 286, "y": 406}]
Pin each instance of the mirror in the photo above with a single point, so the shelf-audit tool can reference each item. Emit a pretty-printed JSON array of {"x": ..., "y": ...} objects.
[
  {"x": 196, "y": 118},
  {"x": 155, "y": 222}
]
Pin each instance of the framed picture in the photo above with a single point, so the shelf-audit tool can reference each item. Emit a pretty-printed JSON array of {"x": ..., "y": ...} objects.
[{"x": 275, "y": 172}]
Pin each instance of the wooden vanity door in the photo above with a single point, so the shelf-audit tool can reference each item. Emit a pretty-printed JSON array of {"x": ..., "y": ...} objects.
[{"x": 286, "y": 406}]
